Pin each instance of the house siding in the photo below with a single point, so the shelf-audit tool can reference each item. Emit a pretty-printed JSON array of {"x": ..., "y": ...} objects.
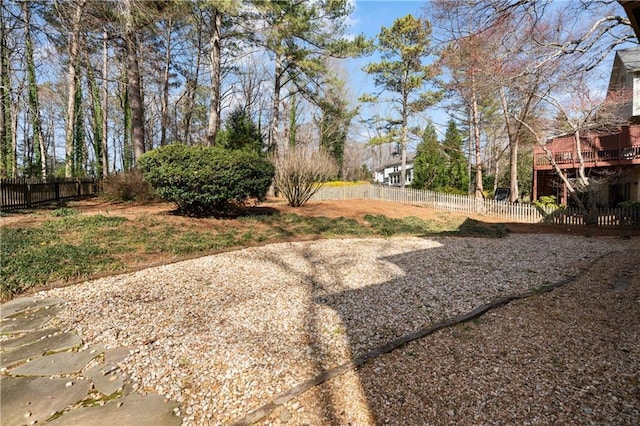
[{"x": 636, "y": 94}]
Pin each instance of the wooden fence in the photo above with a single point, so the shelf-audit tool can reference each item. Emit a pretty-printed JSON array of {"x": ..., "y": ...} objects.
[
  {"x": 514, "y": 212},
  {"x": 621, "y": 217},
  {"x": 27, "y": 193}
]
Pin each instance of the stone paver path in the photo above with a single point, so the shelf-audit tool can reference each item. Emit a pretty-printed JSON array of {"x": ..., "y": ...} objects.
[{"x": 48, "y": 376}]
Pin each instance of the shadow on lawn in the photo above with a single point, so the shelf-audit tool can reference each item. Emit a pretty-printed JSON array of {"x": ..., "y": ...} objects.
[{"x": 230, "y": 211}]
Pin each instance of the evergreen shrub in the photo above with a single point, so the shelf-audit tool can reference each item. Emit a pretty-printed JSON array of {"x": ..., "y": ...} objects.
[{"x": 205, "y": 179}]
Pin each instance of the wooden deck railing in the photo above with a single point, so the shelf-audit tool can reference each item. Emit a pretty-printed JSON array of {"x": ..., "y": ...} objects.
[
  {"x": 591, "y": 157},
  {"x": 514, "y": 212},
  {"x": 27, "y": 193}
]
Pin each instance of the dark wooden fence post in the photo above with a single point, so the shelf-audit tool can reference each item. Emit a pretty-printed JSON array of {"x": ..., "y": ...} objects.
[{"x": 27, "y": 195}]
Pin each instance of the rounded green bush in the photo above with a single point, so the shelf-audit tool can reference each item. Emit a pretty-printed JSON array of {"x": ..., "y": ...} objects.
[{"x": 202, "y": 179}]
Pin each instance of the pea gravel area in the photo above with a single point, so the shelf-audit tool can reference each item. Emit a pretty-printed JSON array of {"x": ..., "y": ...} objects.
[{"x": 225, "y": 334}]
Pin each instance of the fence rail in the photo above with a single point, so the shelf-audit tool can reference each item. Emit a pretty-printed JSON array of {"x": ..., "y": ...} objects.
[
  {"x": 526, "y": 213},
  {"x": 26, "y": 193}
]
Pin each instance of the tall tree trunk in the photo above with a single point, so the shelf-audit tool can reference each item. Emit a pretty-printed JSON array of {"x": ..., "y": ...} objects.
[
  {"x": 164, "y": 120},
  {"x": 97, "y": 115},
  {"x": 274, "y": 137},
  {"x": 403, "y": 140},
  {"x": 475, "y": 117},
  {"x": 105, "y": 102},
  {"x": 214, "y": 64},
  {"x": 34, "y": 107},
  {"x": 293, "y": 118},
  {"x": 581, "y": 173},
  {"x": 74, "y": 48},
  {"x": 514, "y": 140},
  {"x": 78, "y": 132},
  {"x": 14, "y": 142},
  {"x": 191, "y": 92},
  {"x": 127, "y": 149},
  {"x": 7, "y": 152},
  {"x": 134, "y": 83}
]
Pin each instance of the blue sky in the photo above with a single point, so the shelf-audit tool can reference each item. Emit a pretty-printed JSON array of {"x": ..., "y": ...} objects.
[{"x": 368, "y": 17}]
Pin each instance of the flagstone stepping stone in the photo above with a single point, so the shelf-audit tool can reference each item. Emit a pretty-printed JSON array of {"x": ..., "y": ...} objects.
[
  {"x": 133, "y": 410},
  {"x": 26, "y": 338},
  {"x": 28, "y": 320},
  {"x": 27, "y": 303},
  {"x": 116, "y": 355},
  {"x": 106, "y": 379},
  {"x": 35, "y": 399},
  {"x": 60, "y": 363},
  {"x": 37, "y": 349}
]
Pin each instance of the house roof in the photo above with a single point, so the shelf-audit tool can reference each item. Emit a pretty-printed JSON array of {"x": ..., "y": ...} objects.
[
  {"x": 630, "y": 58},
  {"x": 397, "y": 162},
  {"x": 625, "y": 65}
]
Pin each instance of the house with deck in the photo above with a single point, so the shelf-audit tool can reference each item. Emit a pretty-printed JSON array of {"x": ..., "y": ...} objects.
[{"x": 612, "y": 156}]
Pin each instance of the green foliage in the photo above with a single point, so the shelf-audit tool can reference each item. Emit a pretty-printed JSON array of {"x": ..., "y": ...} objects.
[
  {"x": 382, "y": 225},
  {"x": 43, "y": 254},
  {"x": 6, "y": 132},
  {"x": 430, "y": 163},
  {"x": 205, "y": 179},
  {"x": 525, "y": 177},
  {"x": 402, "y": 74},
  {"x": 78, "y": 132},
  {"x": 453, "y": 190},
  {"x": 487, "y": 183},
  {"x": 546, "y": 201},
  {"x": 474, "y": 228},
  {"x": 64, "y": 211},
  {"x": 335, "y": 121},
  {"x": 290, "y": 224},
  {"x": 629, "y": 204},
  {"x": 96, "y": 121},
  {"x": 457, "y": 173},
  {"x": 79, "y": 246},
  {"x": 403, "y": 47},
  {"x": 301, "y": 35},
  {"x": 548, "y": 207},
  {"x": 240, "y": 132}
]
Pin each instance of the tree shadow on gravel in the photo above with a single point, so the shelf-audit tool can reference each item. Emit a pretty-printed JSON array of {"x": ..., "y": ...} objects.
[{"x": 430, "y": 286}]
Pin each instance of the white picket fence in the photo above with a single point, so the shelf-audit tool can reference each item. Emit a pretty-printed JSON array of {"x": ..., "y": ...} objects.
[{"x": 512, "y": 212}]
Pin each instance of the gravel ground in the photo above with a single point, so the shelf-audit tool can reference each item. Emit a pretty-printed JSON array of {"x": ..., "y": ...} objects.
[{"x": 225, "y": 334}]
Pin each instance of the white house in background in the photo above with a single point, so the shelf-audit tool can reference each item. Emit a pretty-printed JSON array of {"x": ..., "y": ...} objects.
[{"x": 389, "y": 174}]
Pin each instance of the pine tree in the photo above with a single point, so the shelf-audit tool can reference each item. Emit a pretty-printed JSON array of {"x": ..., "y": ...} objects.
[
  {"x": 430, "y": 163},
  {"x": 457, "y": 166},
  {"x": 335, "y": 121},
  {"x": 402, "y": 75},
  {"x": 240, "y": 132}
]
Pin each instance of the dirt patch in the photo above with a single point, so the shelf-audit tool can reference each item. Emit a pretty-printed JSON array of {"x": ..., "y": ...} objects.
[{"x": 354, "y": 209}]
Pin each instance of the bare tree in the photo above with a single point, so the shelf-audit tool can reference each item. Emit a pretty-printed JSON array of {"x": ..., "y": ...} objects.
[
  {"x": 301, "y": 172},
  {"x": 585, "y": 115}
]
